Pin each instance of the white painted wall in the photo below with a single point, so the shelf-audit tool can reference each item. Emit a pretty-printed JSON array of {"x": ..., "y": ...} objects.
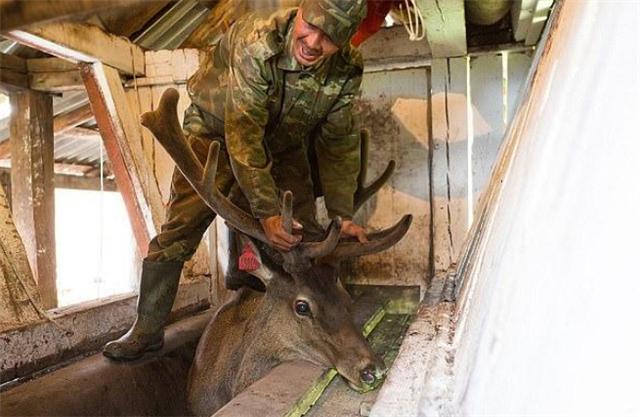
[{"x": 549, "y": 318}]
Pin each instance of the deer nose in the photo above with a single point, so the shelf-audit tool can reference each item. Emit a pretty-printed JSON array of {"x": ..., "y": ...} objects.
[{"x": 368, "y": 375}]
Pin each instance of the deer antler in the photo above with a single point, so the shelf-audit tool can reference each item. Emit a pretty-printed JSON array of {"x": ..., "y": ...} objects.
[
  {"x": 163, "y": 123},
  {"x": 363, "y": 193},
  {"x": 378, "y": 241}
]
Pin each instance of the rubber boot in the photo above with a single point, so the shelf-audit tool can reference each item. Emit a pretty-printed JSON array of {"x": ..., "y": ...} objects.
[{"x": 158, "y": 288}]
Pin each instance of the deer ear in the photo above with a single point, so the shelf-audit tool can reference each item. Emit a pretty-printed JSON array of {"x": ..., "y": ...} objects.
[{"x": 259, "y": 269}]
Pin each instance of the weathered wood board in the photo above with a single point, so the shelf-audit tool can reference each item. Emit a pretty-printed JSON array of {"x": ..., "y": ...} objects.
[
  {"x": 449, "y": 129},
  {"x": 393, "y": 107}
]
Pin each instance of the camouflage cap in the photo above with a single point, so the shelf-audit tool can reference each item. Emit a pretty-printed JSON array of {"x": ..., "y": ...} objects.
[{"x": 338, "y": 19}]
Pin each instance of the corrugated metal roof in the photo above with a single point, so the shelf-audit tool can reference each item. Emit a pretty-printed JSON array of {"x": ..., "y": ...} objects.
[{"x": 166, "y": 32}]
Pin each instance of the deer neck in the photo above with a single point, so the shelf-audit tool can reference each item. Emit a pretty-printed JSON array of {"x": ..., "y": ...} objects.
[{"x": 267, "y": 348}]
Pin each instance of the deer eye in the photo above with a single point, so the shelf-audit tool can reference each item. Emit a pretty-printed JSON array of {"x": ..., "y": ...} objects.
[{"x": 302, "y": 308}]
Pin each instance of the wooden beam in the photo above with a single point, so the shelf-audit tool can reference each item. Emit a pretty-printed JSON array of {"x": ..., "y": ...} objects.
[
  {"x": 391, "y": 50},
  {"x": 74, "y": 182},
  {"x": 121, "y": 134},
  {"x": 445, "y": 25},
  {"x": 79, "y": 42},
  {"x": 521, "y": 15},
  {"x": 77, "y": 132},
  {"x": 538, "y": 21},
  {"x": 56, "y": 82},
  {"x": 70, "y": 182},
  {"x": 72, "y": 119},
  {"x": 5, "y": 149},
  {"x": 82, "y": 133},
  {"x": 18, "y": 291},
  {"x": 50, "y": 65},
  {"x": 126, "y": 22},
  {"x": 63, "y": 168},
  {"x": 223, "y": 14},
  {"x": 18, "y": 13},
  {"x": 12, "y": 62},
  {"x": 13, "y": 73},
  {"x": 11, "y": 81},
  {"x": 31, "y": 137}
]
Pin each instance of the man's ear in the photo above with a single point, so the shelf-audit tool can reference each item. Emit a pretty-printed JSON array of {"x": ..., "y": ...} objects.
[{"x": 262, "y": 272}]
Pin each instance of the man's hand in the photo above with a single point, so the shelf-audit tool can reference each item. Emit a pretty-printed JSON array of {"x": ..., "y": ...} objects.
[
  {"x": 349, "y": 228},
  {"x": 278, "y": 237}
]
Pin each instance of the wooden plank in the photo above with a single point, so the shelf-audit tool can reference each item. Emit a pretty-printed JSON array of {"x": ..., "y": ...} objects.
[
  {"x": 72, "y": 119},
  {"x": 31, "y": 127},
  {"x": 538, "y": 21},
  {"x": 122, "y": 139},
  {"x": 55, "y": 82},
  {"x": 13, "y": 63},
  {"x": 163, "y": 163},
  {"x": 449, "y": 138},
  {"x": 18, "y": 13},
  {"x": 50, "y": 65},
  {"x": 86, "y": 43},
  {"x": 72, "y": 182},
  {"x": 5, "y": 149},
  {"x": 18, "y": 290},
  {"x": 445, "y": 26},
  {"x": 130, "y": 20},
  {"x": 394, "y": 108},
  {"x": 141, "y": 100},
  {"x": 426, "y": 350},
  {"x": 521, "y": 14},
  {"x": 13, "y": 81},
  {"x": 46, "y": 343},
  {"x": 222, "y": 15},
  {"x": 391, "y": 50},
  {"x": 61, "y": 168},
  {"x": 486, "y": 83},
  {"x": 518, "y": 69}
]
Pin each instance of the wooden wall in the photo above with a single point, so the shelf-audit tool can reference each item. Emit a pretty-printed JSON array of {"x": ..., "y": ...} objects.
[
  {"x": 393, "y": 107},
  {"x": 166, "y": 69},
  {"x": 443, "y": 124},
  {"x": 472, "y": 101}
]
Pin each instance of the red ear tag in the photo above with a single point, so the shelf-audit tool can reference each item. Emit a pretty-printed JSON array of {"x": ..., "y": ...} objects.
[{"x": 248, "y": 261}]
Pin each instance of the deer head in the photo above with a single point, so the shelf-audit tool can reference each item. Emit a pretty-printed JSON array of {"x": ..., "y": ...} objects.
[{"x": 304, "y": 298}]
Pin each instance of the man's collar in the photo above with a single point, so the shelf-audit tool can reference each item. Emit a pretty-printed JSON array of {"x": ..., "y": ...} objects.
[{"x": 288, "y": 62}]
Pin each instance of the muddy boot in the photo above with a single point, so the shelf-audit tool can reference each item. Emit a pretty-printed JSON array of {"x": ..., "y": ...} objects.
[
  {"x": 234, "y": 278},
  {"x": 158, "y": 287}
]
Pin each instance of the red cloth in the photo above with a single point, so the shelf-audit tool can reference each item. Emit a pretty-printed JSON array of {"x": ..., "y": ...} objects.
[
  {"x": 248, "y": 261},
  {"x": 377, "y": 10}
]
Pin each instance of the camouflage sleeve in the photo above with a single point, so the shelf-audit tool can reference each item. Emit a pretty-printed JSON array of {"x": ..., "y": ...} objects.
[
  {"x": 246, "y": 116},
  {"x": 338, "y": 152}
]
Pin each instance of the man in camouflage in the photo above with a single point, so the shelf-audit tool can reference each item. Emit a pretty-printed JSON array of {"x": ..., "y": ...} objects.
[{"x": 278, "y": 93}]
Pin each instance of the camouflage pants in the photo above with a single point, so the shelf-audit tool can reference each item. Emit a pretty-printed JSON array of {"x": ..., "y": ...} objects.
[{"x": 188, "y": 217}]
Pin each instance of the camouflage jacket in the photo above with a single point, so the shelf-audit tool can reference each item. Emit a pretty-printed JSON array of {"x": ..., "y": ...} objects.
[{"x": 269, "y": 105}]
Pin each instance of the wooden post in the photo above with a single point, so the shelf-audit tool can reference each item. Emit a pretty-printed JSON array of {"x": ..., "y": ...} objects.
[
  {"x": 121, "y": 134},
  {"x": 32, "y": 185}
]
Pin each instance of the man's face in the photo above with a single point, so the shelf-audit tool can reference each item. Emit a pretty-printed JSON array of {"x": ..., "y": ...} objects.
[{"x": 310, "y": 44}]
